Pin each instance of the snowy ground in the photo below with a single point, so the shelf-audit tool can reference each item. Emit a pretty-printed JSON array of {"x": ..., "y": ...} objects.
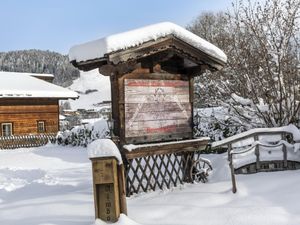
[{"x": 52, "y": 186}]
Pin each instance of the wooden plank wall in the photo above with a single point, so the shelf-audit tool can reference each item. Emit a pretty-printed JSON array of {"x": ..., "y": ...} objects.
[
  {"x": 24, "y": 114},
  {"x": 157, "y": 109}
]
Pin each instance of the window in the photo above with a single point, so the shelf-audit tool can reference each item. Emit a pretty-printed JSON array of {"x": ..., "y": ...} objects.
[
  {"x": 6, "y": 129},
  {"x": 41, "y": 126}
]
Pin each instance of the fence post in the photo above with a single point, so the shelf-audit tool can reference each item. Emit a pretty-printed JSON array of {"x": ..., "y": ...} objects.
[
  {"x": 234, "y": 189},
  {"x": 228, "y": 151},
  {"x": 257, "y": 153},
  {"x": 109, "y": 188},
  {"x": 285, "y": 164}
]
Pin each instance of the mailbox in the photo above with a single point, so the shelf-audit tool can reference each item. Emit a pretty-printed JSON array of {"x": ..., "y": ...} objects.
[{"x": 106, "y": 188}]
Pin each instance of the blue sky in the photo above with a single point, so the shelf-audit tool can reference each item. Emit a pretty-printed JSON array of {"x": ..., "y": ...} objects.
[{"x": 56, "y": 25}]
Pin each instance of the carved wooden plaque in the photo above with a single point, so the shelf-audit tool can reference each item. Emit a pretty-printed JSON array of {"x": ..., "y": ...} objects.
[
  {"x": 157, "y": 110},
  {"x": 106, "y": 202},
  {"x": 106, "y": 190}
]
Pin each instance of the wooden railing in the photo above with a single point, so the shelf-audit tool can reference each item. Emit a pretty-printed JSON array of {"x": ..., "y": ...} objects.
[
  {"x": 287, "y": 138},
  {"x": 26, "y": 141}
]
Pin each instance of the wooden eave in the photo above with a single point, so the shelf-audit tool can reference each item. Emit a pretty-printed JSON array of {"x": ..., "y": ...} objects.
[
  {"x": 89, "y": 64},
  {"x": 149, "y": 48}
]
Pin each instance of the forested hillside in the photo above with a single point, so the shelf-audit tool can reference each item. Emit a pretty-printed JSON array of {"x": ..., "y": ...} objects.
[{"x": 38, "y": 61}]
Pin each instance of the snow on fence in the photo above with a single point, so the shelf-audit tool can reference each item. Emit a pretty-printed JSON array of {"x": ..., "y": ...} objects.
[
  {"x": 262, "y": 150},
  {"x": 26, "y": 141},
  {"x": 260, "y": 145}
]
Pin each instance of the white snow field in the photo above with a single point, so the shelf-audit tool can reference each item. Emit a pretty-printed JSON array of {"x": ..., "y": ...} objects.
[{"x": 52, "y": 185}]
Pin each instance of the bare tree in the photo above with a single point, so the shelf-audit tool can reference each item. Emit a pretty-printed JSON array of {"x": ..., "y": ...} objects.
[{"x": 260, "y": 84}]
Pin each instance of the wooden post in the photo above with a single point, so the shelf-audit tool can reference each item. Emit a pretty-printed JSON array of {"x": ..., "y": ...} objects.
[
  {"x": 109, "y": 198},
  {"x": 234, "y": 189},
  {"x": 122, "y": 189},
  {"x": 257, "y": 153},
  {"x": 228, "y": 152},
  {"x": 188, "y": 163},
  {"x": 285, "y": 165}
]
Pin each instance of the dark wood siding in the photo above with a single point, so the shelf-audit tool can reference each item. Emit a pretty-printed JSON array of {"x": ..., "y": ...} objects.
[{"x": 25, "y": 113}]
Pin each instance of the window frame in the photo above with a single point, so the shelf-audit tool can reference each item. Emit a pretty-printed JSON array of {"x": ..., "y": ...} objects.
[
  {"x": 44, "y": 126},
  {"x": 11, "y": 129}
]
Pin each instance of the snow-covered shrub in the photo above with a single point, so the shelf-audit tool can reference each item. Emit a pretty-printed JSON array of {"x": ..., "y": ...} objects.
[
  {"x": 215, "y": 123},
  {"x": 84, "y": 134}
]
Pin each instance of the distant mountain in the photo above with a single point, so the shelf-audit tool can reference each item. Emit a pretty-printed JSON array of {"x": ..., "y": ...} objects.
[{"x": 38, "y": 61}]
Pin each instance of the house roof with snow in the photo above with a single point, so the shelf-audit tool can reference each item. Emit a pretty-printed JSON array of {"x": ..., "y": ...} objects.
[
  {"x": 143, "y": 42},
  {"x": 26, "y": 85},
  {"x": 37, "y": 74}
]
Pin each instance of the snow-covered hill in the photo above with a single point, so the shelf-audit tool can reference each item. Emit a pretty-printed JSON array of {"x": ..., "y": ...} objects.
[{"x": 93, "y": 88}]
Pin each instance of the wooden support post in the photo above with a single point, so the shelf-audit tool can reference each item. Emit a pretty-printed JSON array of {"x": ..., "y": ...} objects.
[
  {"x": 257, "y": 153},
  {"x": 109, "y": 189},
  {"x": 188, "y": 161},
  {"x": 228, "y": 152},
  {"x": 122, "y": 189},
  {"x": 284, "y": 150},
  {"x": 234, "y": 189}
]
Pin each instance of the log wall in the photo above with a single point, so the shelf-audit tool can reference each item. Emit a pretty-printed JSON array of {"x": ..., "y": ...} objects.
[{"x": 25, "y": 113}]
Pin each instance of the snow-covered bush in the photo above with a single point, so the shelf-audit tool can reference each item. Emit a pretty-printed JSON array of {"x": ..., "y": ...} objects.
[
  {"x": 215, "y": 123},
  {"x": 84, "y": 134}
]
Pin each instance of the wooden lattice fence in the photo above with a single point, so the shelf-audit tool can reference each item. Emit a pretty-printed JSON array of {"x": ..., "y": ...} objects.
[
  {"x": 158, "y": 171},
  {"x": 26, "y": 141}
]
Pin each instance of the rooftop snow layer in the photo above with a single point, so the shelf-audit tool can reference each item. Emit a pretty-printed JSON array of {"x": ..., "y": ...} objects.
[
  {"x": 98, "y": 48},
  {"x": 289, "y": 129},
  {"x": 24, "y": 85}
]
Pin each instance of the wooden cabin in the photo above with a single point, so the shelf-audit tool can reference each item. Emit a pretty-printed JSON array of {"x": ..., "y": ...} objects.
[{"x": 29, "y": 103}]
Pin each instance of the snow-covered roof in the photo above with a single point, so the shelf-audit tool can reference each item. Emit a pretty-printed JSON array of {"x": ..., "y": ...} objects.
[
  {"x": 25, "y": 85},
  {"x": 40, "y": 74},
  {"x": 99, "y": 48}
]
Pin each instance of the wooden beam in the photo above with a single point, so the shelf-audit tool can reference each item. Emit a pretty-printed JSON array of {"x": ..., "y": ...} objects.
[{"x": 165, "y": 149}]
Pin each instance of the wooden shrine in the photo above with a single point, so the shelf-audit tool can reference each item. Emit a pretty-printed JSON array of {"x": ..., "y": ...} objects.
[{"x": 152, "y": 91}]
